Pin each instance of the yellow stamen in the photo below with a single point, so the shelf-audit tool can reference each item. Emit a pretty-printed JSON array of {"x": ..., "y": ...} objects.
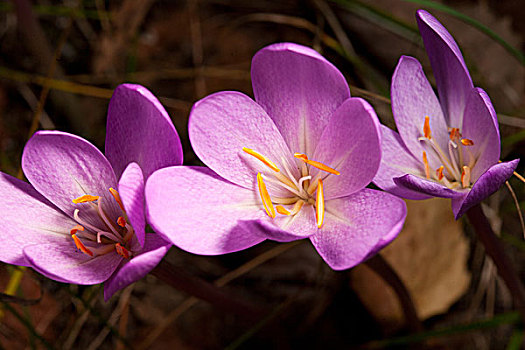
[
  {"x": 454, "y": 134},
  {"x": 116, "y": 195},
  {"x": 467, "y": 142},
  {"x": 427, "y": 167},
  {"x": 318, "y": 165},
  {"x": 81, "y": 246},
  {"x": 85, "y": 198},
  {"x": 123, "y": 252},
  {"x": 121, "y": 221},
  {"x": 465, "y": 177},
  {"x": 282, "y": 210},
  {"x": 426, "y": 128},
  {"x": 262, "y": 158},
  {"x": 319, "y": 204},
  {"x": 263, "y": 192},
  {"x": 439, "y": 172},
  {"x": 76, "y": 228}
]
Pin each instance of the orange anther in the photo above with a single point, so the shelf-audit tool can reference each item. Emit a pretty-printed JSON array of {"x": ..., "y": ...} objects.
[
  {"x": 267, "y": 201},
  {"x": 427, "y": 167},
  {"x": 465, "y": 177},
  {"x": 439, "y": 172},
  {"x": 123, "y": 252},
  {"x": 77, "y": 228},
  {"x": 262, "y": 158},
  {"x": 121, "y": 221},
  {"x": 467, "y": 142},
  {"x": 426, "y": 128},
  {"x": 319, "y": 204},
  {"x": 85, "y": 198},
  {"x": 318, "y": 165},
  {"x": 116, "y": 195},
  {"x": 81, "y": 246},
  {"x": 454, "y": 134},
  {"x": 282, "y": 210}
]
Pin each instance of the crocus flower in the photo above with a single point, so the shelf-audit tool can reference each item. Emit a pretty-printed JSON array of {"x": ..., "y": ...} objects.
[
  {"x": 292, "y": 164},
  {"x": 80, "y": 219},
  {"x": 447, "y": 147}
]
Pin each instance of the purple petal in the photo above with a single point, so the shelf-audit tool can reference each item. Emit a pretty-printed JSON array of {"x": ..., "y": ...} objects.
[
  {"x": 63, "y": 167},
  {"x": 139, "y": 266},
  {"x": 140, "y": 130},
  {"x": 412, "y": 100},
  {"x": 397, "y": 161},
  {"x": 131, "y": 190},
  {"x": 299, "y": 90},
  {"x": 452, "y": 77},
  {"x": 357, "y": 226},
  {"x": 290, "y": 228},
  {"x": 200, "y": 212},
  {"x": 480, "y": 126},
  {"x": 27, "y": 218},
  {"x": 350, "y": 144},
  {"x": 222, "y": 124},
  {"x": 427, "y": 187},
  {"x": 487, "y": 184},
  {"x": 63, "y": 262}
]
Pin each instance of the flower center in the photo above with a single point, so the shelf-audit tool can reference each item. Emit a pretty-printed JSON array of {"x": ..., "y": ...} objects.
[
  {"x": 456, "y": 164},
  {"x": 298, "y": 191},
  {"x": 106, "y": 235}
]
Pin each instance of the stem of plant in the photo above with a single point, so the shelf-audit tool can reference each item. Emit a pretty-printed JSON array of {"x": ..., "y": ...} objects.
[
  {"x": 494, "y": 248},
  {"x": 183, "y": 281}
]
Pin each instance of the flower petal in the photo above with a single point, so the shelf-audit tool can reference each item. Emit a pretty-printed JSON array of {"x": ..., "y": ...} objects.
[
  {"x": 222, "y": 124},
  {"x": 350, "y": 144},
  {"x": 488, "y": 183},
  {"x": 452, "y": 77},
  {"x": 63, "y": 166},
  {"x": 355, "y": 225},
  {"x": 412, "y": 100},
  {"x": 290, "y": 228},
  {"x": 427, "y": 187},
  {"x": 300, "y": 90},
  {"x": 131, "y": 190},
  {"x": 397, "y": 161},
  {"x": 27, "y": 218},
  {"x": 200, "y": 212},
  {"x": 140, "y": 130},
  {"x": 63, "y": 262},
  {"x": 480, "y": 126},
  {"x": 139, "y": 266}
]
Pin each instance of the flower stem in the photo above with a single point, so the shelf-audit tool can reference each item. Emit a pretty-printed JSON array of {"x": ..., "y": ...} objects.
[
  {"x": 495, "y": 250},
  {"x": 389, "y": 275},
  {"x": 179, "y": 279}
]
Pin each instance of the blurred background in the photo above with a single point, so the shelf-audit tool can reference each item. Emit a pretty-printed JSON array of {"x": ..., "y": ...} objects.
[{"x": 60, "y": 61}]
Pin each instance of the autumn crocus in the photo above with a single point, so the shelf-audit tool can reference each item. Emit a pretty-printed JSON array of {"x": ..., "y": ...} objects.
[
  {"x": 448, "y": 146},
  {"x": 80, "y": 219},
  {"x": 292, "y": 164}
]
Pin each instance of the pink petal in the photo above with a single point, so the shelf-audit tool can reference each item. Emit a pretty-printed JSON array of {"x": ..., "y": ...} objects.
[{"x": 131, "y": 190}]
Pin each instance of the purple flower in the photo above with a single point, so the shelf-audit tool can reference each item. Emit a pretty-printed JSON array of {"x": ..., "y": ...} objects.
[
  {"x": 447, "y": 147},
  {"x": 292, "y": 164},
  {"x": 74, "y": 222}
]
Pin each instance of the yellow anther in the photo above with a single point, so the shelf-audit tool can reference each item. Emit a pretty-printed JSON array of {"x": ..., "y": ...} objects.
[
  {"x": 282, "y": 210},
  {"x": 121, "y": 221},
  {"x": 426, "y": 128},
  {"x": 318, "y": 165},
  {"x": 116, "y": 195},
  {"x": 81, "y": 246},
  {"x": 267, "y": 201},
  {"x": 262, "y": 158},
  {"x": 76, "y": 229},
  {"x": 427, "y": 167},
  {"x": 123, "y": 252},
  {"x": 439, "y": 173},
  {"x": 465, "y": 177},
  {"x": 85, "y": 198},
  {"x": 319, "y": 204},
  {"x": 467, "y": 142},
  {"x": 454, "y": 134}
]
